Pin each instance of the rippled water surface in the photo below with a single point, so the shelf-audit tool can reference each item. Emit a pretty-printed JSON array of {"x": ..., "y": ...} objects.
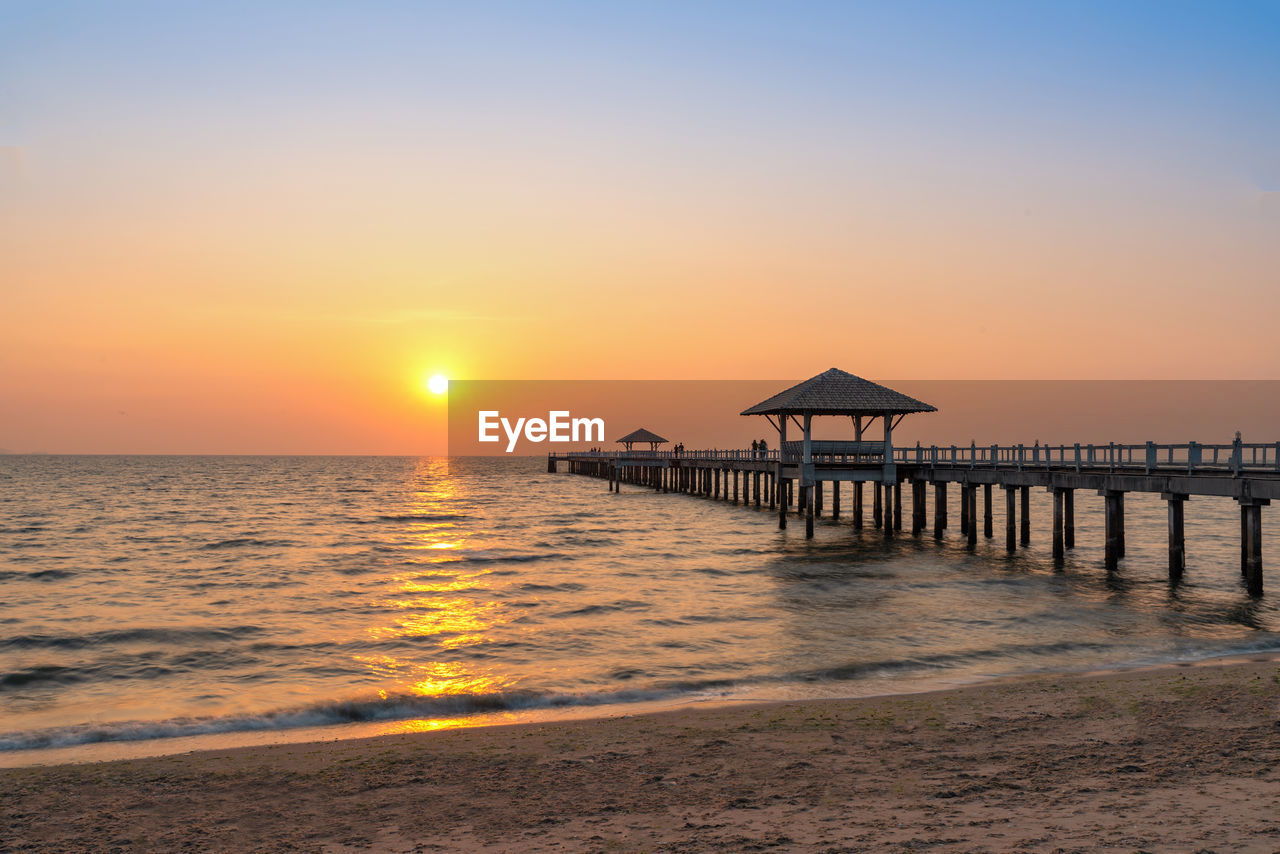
[{"x": 154, "y": 597}]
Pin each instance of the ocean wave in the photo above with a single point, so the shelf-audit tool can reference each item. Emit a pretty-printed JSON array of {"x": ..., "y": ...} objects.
[
  {"x": 512, "y": 557},
  {"x": 424, "y": 517},
  {"x": 41, "y": 673},
  {"x": 565, "y": 587},
  {"x": 947, "y": 660},
  {"x": 623, "y": 605},
  {"x": 38, "y": 575},
  {"x": 402, "y": 707},
  {"x": 167, "y": 636},
  {"x": 241, "y": 542}
]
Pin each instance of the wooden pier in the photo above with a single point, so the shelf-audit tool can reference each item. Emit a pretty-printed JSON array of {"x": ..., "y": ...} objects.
[{"x": 792, "y": 477}]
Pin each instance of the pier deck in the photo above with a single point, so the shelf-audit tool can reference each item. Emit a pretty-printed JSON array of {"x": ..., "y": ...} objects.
[
  {"x": 796, "y": 473},
  {"x": 1249, "y": 473}
]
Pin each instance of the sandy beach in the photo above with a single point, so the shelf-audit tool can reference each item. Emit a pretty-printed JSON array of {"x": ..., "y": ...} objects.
[{"x": 1176, "y": 759}]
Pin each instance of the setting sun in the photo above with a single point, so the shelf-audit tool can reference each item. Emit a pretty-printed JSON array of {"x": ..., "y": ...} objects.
[{"x": 438, "y": 384}]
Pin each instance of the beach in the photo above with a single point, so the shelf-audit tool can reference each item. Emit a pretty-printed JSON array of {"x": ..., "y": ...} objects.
[{"x": 1169, "y": 758}]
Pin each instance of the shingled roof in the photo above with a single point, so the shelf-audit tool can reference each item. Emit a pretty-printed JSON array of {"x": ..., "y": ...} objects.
[
  {"x": 642, "y": 435},
  {"x": 836, "y": 392}
]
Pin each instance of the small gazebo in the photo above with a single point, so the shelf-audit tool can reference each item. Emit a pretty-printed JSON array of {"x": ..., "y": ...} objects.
[
  {"x": 839, "y": 393},
  {"x": 642, "y": 435}
]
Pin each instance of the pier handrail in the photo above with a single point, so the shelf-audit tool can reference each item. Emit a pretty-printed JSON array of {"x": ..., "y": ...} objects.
[{"x": 1235, "y": 457}]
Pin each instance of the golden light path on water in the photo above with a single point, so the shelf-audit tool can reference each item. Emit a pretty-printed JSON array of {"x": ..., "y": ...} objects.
[{"x": 428, "y": 611}]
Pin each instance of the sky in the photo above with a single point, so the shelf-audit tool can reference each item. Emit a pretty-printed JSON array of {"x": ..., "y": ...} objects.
[{"x": 257, "y": 227}]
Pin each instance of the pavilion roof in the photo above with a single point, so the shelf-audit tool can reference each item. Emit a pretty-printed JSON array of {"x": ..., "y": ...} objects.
[
  {"x": 642, "y": 435},
  {"x": 837, "y": 392}
]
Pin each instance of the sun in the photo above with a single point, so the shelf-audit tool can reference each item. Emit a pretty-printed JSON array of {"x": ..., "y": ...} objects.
[{"x": 438, "y": 384}]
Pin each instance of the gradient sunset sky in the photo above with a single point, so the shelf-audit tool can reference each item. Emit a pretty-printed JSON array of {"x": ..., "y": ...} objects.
[{"x": 257, "y": 227}]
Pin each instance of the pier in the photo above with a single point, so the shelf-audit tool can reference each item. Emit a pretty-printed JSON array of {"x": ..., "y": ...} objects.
[{"x": 793, "y": 477}]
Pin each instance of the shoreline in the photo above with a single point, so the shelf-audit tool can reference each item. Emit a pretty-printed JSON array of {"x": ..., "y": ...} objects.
[
  {"x": 889, "y": 686},
  {"x": 1160, "y": 756},
  {"x": 892, "y": 686}
]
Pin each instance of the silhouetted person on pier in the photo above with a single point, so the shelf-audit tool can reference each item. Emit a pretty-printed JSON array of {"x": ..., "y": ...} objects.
[{"x": 764, "y": 446}]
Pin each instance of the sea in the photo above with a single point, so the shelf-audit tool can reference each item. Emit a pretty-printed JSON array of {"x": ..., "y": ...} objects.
[{"x": 159, "y": 604}]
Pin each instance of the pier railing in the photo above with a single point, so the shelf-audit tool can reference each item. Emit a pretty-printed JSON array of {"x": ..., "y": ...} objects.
[
  {"x": 1236, "y": 457},
  {"x": 727, "y": 455}
]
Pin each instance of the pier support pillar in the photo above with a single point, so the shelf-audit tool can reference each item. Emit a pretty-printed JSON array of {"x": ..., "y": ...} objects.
[
  {"x": 755, "y": 487},
  {"x": 808, "y": 501},
  {"x": 1113, "y": 516},
  {"x": 986, "y": 510},
  {"x": 877, "y": 512},
  {"x": 1010, "y": 520},
  {"x": 1251, "y": 542},
  {"x": 835, "y": 499},
  {"x": 1120, "y": 520},
  {"x": 964, "y": 509},
  {"x": 779, "y": 490},
  {"x": 1244, "y": 540},
  {"x": 1026, "y": 515},
  {"x": 735, "y": 486},
  {"x": 887, "y": 488},
  {"x": 917, "y": 507},
  {"x": 897, "y": 505},
  {"x": 1058, "y": 550},
  {"x": 939, "y": 509},
  {"x": 857, "y": 504},
  {"x": 1069, "y": 518},
  {"x": 1177, "y": 534},
  {"x": 969, "y": 493},
  {"x": 817, "y": 498}
]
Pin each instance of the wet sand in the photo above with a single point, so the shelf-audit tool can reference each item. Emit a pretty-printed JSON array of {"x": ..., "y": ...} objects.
[{"x": 1176, "y": 759}]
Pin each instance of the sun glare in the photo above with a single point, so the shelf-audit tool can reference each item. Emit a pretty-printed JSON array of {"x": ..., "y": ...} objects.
[{"x": 438, "y": 384}]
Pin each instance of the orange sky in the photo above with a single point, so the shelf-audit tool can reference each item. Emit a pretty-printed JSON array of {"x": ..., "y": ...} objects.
[{"x": 213, "y": 243}]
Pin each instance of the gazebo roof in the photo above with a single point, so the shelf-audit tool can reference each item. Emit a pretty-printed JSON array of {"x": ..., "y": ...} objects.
[
  {"x": 642, "y": 435},
  {"x": 836, "y": 392}
]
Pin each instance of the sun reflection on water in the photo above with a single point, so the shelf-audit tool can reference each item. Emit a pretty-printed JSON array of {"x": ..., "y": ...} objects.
[
  {"x": 425, "y": 725},
  {"x": 431, "y": 679},
  {"x": 441, "y": 616},
  {"x": 441, "y": 611}
]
